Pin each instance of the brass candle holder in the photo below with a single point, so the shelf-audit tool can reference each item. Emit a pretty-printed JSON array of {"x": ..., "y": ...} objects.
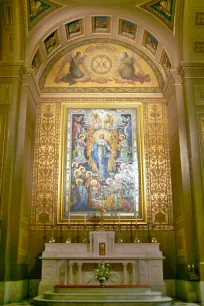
[
  {"x": 120, "y": 240},
  {"x": 68, "y": 240},
  {"x": 154, "y": 239},
  {"x": 102, "y": 228},
  {"x": 137, "y": 240},
  {"x": 84, "y": 240},
  {"x": 52, "y": 239}
]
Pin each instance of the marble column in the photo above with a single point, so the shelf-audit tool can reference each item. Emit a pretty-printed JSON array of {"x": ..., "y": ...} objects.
[
  {"x": 65, "y": 272},
  {"x": 134, "y": 275},
  {"x": 125, "y": 273},
  {"x": 70, "y": 273},
  {"x": 79, "y": 264}
]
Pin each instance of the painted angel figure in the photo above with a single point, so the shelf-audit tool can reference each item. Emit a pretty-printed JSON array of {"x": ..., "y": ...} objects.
[
  {"x": 35, "y": 7},
  {"x": 77, "y": 70},
  {"x": 127, "y": 73},
  {"x": 78, "y": 153},
  {"x": 165, "y": 7}
]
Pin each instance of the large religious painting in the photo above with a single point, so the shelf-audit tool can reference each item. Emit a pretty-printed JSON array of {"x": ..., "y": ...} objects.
[
  {"x": 101, "y": 163},
  {"x": 104, "y": 67}
]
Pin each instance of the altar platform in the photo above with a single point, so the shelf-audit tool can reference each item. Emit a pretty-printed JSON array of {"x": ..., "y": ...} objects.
[{"x": 97, "y": 296}]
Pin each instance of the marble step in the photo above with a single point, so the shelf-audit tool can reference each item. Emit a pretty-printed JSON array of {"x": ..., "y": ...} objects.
[
  {"x": 103, "y": 295},
  {"x": 163, "y": 301},
  {"x": 98, "y": 290}
]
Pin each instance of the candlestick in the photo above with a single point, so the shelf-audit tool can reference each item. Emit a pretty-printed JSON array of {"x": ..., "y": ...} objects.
[
  {"x": 84, "y": 239},
  {"x": 53, "y": 217},
  {"x": 154, "y": 240},
  {"x": 52, "y": 239},
  {"x": 119, "y": 217},
  {"x": 193, "y": 267},
  {"x": 152, "y": 219},
  {"x": 68, "y": 240},
  {"x": 85, "y": 219},
  {"x": 68, "y": 218},
  {"x": 101, "y": 226},
  {"x": 120, "y": 240}
]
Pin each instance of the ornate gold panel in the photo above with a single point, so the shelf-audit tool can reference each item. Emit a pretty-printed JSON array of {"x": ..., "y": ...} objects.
[
  {"x": 46, "y": 156},
  {"x": 157, "y": 177}
]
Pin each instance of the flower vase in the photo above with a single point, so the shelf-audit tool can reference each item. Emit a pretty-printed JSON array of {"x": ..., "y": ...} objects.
[{"x": 102, "y": 283}]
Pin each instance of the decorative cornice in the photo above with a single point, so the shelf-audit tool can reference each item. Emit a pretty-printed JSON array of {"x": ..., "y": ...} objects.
[
  {"x": 191, "y": 66},
  {"x": 101, "y": 101}
]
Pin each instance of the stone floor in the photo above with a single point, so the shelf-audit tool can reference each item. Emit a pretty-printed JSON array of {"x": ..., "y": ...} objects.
[{"x": 175, "y": 303}]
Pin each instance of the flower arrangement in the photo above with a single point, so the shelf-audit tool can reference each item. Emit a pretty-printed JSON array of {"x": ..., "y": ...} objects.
[{"x": 102, "y": 273}]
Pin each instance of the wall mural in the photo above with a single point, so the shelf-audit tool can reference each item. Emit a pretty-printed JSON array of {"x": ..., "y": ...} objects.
[
  {"x": 150, "y": 42},
  {"x": 74, "y": 28},
  {"x": 51, "y": 42},
  {"x": 101, "y": 24},
  {"x": 103, "y": 66},
  {"x": 165, "y": 63},
  {"x": 101, "y": 163},
  {"x": 163, "y": 9},
  {"x": 127, "y": 29}
]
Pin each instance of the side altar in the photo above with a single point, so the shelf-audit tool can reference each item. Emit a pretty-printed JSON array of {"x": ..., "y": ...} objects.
[{"x": 72, "y": 263}]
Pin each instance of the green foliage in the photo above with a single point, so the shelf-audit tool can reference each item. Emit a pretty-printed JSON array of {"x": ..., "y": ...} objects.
[{"x": 102, "y": 273}]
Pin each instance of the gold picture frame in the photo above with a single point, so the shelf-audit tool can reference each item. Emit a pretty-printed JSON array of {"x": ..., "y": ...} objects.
[{"x": 64, "y": 210}]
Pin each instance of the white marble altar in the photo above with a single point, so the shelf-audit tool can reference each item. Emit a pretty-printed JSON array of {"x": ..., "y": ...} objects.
[{"x": 134, "y": 263}]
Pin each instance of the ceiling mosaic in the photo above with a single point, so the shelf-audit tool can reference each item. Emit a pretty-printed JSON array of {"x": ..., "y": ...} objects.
[
  {"x": 163, "y": 9},
  {"x": 38, "y": 9}
]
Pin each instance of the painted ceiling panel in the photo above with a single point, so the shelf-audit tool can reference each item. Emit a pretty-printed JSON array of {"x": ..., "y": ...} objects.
[{"x": 163, "y": 9}]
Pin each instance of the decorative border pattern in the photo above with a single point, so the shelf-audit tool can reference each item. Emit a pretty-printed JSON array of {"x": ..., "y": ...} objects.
[{"x": 99, "y": 89}]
